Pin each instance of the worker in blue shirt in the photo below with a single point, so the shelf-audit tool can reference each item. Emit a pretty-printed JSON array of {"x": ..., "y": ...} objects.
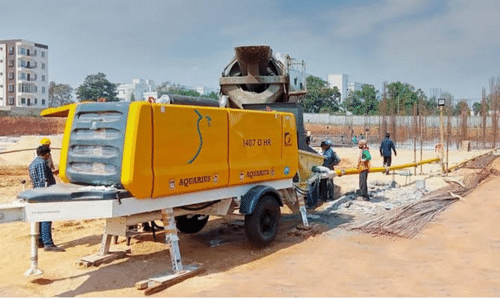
[
  {"x": 385, "y": 151},
  {"x": 41, "y": 177}
]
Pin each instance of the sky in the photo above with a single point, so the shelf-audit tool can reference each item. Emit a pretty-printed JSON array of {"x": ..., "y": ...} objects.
[{"x": 453, "y": 45}]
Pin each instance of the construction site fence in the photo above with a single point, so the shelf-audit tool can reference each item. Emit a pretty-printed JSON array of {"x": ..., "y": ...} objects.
[
  {"x": 430, "y": 121},
  {"x": 409, "y": 132}
]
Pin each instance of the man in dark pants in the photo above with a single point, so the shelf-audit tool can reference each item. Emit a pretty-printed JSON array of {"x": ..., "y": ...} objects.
[
  {"x": 330, "y": 160},
  {"x": 41, "y": 176},
  {"x": 385, "y": 151}
]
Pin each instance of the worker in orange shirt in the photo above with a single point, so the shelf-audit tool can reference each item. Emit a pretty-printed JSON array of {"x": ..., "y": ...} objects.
[{"x": 364, "y": 167}]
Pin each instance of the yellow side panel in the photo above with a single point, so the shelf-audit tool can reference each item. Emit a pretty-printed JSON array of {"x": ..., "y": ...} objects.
[
  {"x": 61, "y": 111},
  {"x": 137, "y": 175},
  {"x": 65, "y": 143},
  {"x": 254, "y": 146},
  {"x": 190, "y": 150},
  {"x": 290, "y": 160}
]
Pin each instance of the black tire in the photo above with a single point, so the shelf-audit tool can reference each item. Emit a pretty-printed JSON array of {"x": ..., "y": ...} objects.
[
  {"x": 261, "y": 227},
  {"x": 191, "y": 223}
]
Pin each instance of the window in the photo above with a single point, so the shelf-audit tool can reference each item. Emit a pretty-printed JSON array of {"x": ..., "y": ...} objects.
[
  {"x": 43, "y": 77},
  {"x": 36, "y": 101},
  {"x": 43, "y": 53},
  {"x": 43, "y": 101},
  {"x": 11, "y": 87},
  {"x": 23, "y": 100},
  {"x": 22, "y": 76},
  {"x": 11, "y": 100},
  {"x": 11, "y": 63},
  {"x": 43, "y": 90},
  {"x": 43, "y": 66},
  {"x": 22, "y": 50},
  {"x": 11, "y": 50},
  {"x": 11, "y": 75}
]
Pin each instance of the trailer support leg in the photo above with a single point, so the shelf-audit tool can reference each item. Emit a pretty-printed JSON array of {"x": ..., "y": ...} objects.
[
  {"x": 104, "y": 255},
  {"x": 35, "y": 232},
  {"x": 289, "y": 201},
  {"x": 179, "y": 272},
  {"x": 105, "y": 244},
  {"x": 171, "y": 238}
]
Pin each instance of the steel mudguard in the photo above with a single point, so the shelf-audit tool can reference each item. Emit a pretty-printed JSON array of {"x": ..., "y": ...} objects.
[{"x": 251, "y": 198}]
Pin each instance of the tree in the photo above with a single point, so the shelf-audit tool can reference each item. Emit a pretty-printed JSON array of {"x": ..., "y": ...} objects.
[
  {"x": 132, "y": 98},
  {"x": 476, "y": 108},
  {"x": 95, "y": 87},
  {"x": 212, "y": 95},
  {"x": 362, "y": 102},
  {"x": 320, "y": 98},
  {"x": 176, "y": 89},
  {"x": 401, "y": 98},
  {"x": 60, "y": 94},
  {"x": 461, "y": 107}
]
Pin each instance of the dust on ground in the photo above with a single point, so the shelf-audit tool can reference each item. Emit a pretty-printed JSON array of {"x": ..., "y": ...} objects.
[{"x": 460, "y": 247}]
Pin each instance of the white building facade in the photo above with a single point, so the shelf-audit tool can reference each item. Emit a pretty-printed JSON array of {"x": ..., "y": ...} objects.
[
  {"x": 340, "y": 81},
  {"x": 296, "y": 71},
  {"x": 140, "y": 88},
  {"x": 354, "y": 86},
  {"x": 24, "y": 73}
]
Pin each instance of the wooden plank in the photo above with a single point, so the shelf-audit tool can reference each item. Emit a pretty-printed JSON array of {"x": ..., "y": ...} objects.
[
  {"x": 96, "y": 259},
  {"x": 157, "y": 284}
]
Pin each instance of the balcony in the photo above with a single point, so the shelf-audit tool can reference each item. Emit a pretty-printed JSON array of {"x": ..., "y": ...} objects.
[
  {"x": 21, "y": 80},
  {"x": 28, "y": 66}
]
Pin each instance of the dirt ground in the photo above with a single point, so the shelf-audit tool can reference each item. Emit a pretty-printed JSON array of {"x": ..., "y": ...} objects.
[{"x": 456, "y": 256}]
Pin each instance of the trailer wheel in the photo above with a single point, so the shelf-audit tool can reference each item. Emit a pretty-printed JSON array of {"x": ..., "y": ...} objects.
[
  {"x": 261, "y": 227},
  {"x": 191, "y": 223}
]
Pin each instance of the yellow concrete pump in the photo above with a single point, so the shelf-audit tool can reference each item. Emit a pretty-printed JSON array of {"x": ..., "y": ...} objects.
[{"x": 158, "y": 150}]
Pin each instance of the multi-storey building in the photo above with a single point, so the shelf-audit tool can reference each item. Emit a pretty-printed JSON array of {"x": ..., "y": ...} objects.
[
  {"x": 340, "y": 81},
  {"x": 137, "y": 88},
  {"x": 354, "y": 86},
  {"x": 24, "y": 73}
]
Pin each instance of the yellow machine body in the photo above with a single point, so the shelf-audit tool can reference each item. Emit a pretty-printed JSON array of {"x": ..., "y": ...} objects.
[{"x": 173, "y": 149}]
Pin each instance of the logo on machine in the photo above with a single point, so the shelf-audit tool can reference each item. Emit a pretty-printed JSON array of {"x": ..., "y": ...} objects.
[
  {"x": 215, "y": 178},
  {"x": 242, "y": 176},
  {"x": 209, "y": 122},
  {"x": 288, "y": 139},
  {"x": 186, "y": 182},
  {"x": 286, "y": 171},
  {"x": 260, "y": 173},
  {"x": 171, "y": 184}
]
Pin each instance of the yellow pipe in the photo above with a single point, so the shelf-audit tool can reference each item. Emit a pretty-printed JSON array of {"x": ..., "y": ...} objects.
[{"x": 353, "y": 171}]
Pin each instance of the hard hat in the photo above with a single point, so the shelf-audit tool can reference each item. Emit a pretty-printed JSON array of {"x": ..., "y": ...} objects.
[{"x": 45, "y": 141}]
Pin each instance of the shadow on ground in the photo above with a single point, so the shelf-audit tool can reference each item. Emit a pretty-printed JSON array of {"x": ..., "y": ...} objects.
[{"x": 219, "y": 247}]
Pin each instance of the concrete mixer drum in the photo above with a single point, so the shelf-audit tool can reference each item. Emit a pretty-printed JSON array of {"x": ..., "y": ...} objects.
[{"x": 254, "y": 76}]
